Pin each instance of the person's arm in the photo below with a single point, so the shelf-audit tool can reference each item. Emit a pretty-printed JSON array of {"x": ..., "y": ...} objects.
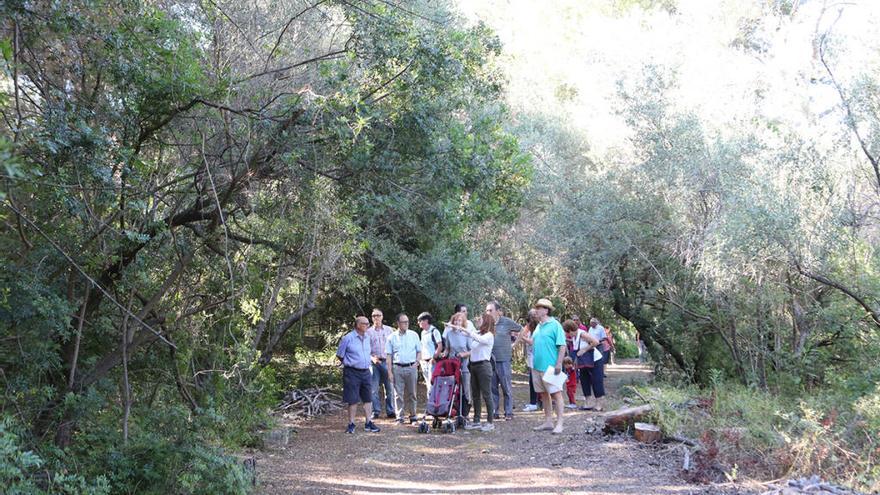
[
  {"x": 439, "y": 350},
  {"x": 389, "y": 357},
  {"x": 560, "y": 355},
  {"x": 517, "y": 328},
  {"x": 373, "y": 358},
  {"x": 486, "y": 338},
  {"x": 340, "y": 352},
  {"x": 590, "y": 340},
  {"x": 423, "y": 343},
  {"x": 560, "y": 348}
]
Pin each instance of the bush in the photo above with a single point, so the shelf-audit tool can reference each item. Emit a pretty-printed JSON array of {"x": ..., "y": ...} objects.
[
  {"x": 25, "y": 472},
  {"x": 766, "y": 436}
]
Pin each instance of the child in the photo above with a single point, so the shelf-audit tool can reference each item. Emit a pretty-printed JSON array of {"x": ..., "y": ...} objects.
[{"x": 571, "y": 383}]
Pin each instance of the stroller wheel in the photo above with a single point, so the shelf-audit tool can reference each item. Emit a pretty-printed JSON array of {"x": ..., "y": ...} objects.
[
  {"x": 459, "y": 421},
  {"x": 423, "y": 427},
  {"x": 436, "y": 423}
]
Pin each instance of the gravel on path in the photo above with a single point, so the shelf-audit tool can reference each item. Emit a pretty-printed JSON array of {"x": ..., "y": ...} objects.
[{"x": 321, "y": 459}]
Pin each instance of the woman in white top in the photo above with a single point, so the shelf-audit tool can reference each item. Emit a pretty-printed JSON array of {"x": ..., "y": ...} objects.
[{"x": 481, "y": 370}]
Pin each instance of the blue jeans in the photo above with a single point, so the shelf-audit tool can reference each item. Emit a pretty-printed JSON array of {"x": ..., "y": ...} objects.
[
  {"x": 502, "y": 377},
  {"x": 380, "y": 376}
]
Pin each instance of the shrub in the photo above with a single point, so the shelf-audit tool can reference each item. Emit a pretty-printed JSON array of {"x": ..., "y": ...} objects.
[{"x": 766, "y": 436}]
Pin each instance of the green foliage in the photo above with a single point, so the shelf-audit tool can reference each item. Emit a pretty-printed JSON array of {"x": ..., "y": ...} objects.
[
  {"x": 225, "y": 194},
  {"x": 767, "y": 435},
  {"x": 22, "y": 471}
]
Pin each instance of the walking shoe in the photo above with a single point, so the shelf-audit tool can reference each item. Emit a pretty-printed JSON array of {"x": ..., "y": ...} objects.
[
  {"x": 488, "y": 427},
  {"x": 350, "y": 428},
  {"x": 530, "y": 408},
  {"x": 375, "y": 415},
  {"x": 399, "y": 421},
  {"x": 496, "y": 416},
  {"x": 508, "y": 417},
  {"x": 571, "y": 406},
  {"x": 391, "y": 415},
  {"x": 370, "y": 427},
  {"x": 412, "y": 419},
  {"x": 473, "y": 426}
]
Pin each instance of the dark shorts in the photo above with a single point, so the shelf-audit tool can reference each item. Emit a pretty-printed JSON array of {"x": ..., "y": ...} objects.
[{"x": 356, "y": 385}]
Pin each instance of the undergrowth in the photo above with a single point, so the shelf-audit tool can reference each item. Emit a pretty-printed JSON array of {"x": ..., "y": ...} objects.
[{"x": 758, "y": 434}]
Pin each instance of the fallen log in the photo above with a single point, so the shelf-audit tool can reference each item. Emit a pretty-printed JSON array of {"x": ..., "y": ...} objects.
[{"x": 623, "y": 419}]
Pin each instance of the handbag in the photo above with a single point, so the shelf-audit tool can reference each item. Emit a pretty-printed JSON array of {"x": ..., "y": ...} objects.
[{"x": 584, "y": 360}]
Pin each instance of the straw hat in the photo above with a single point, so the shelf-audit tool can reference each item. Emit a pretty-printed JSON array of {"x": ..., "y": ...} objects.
[{"x": 543, "y": 303}]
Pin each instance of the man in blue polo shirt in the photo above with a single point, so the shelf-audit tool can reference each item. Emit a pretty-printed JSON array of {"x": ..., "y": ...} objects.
[
  {"x": 549, "y": 349},
  {"x": 354, "y": 353}
]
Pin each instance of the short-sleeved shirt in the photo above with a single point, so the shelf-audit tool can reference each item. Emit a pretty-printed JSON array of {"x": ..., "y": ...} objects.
[
  {"x": 355, "y": 350},
  {"x": 547, "y": 340},
  {"x": 598, "y": 332},
  {"x": 428, "y": 345},
  {"x": 456, "y": 342},
  {"x": 378, "y": 338},
  {"x": 403, "y": 348},
  {"x": 502, "y": 350}
]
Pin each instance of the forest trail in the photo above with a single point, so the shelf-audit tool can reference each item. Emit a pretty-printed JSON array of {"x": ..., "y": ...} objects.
[{"x": 322, "y": 459}]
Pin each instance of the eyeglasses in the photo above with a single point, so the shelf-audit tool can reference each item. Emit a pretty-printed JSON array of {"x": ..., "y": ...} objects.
[{"x": 377, "y": 316}]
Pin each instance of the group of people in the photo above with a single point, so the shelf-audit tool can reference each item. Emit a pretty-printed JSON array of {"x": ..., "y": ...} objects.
[{"x": 378, "y": 358}]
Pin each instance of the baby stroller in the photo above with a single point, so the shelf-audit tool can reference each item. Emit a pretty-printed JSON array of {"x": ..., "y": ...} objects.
[{"x": 446, "y": 396}]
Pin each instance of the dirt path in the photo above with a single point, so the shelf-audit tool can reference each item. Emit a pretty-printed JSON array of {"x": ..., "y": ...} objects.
[{"x": 321, "y": 459}]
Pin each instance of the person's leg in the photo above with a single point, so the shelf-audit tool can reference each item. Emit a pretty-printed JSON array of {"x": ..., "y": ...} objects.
[
  {"x": 412, "y": 377},
  {"x": 351, "y": 395},
  {"x": 506, "y": 378},
  {"x": 399, "y": 391},
  {"x": 485, "y": 382},
  {"x": 375, "y": 371},
  {"x": 425, "y": 366},
  {"x": 548, "y": 410},
  {"x": 466, "y": 393},
  {"x": 586, "y": 386},
  {"x": 493, "y": 386},
  {"x": 599, "y": 386},
  {"x": 557, "y": 405},
  {"x": 388, "y": 387},
  {"x": 571, "y": 386},
  {"x": 475, "y": 392},
  {"x": 533, "y": 396},
  {"x": 365, "y": 392}
]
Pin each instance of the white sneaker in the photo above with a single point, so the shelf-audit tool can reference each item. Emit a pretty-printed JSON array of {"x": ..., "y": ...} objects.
[
  {"x": 571, "y": 406},
  {"x": 530, "y": 408},
  {"x": 488, "y": 427},
  {"x": 473, "y": 426}
]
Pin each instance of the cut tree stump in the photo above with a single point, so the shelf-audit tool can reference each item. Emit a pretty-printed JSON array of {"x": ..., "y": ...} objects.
[
  {"x": 647, "y": 433},
  {"x": 622, "y": 419}
]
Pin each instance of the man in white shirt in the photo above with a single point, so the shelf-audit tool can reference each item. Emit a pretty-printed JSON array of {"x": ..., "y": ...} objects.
[
  {"x": 432, "y": 345},
  {"x": 404, "y": 351}
]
